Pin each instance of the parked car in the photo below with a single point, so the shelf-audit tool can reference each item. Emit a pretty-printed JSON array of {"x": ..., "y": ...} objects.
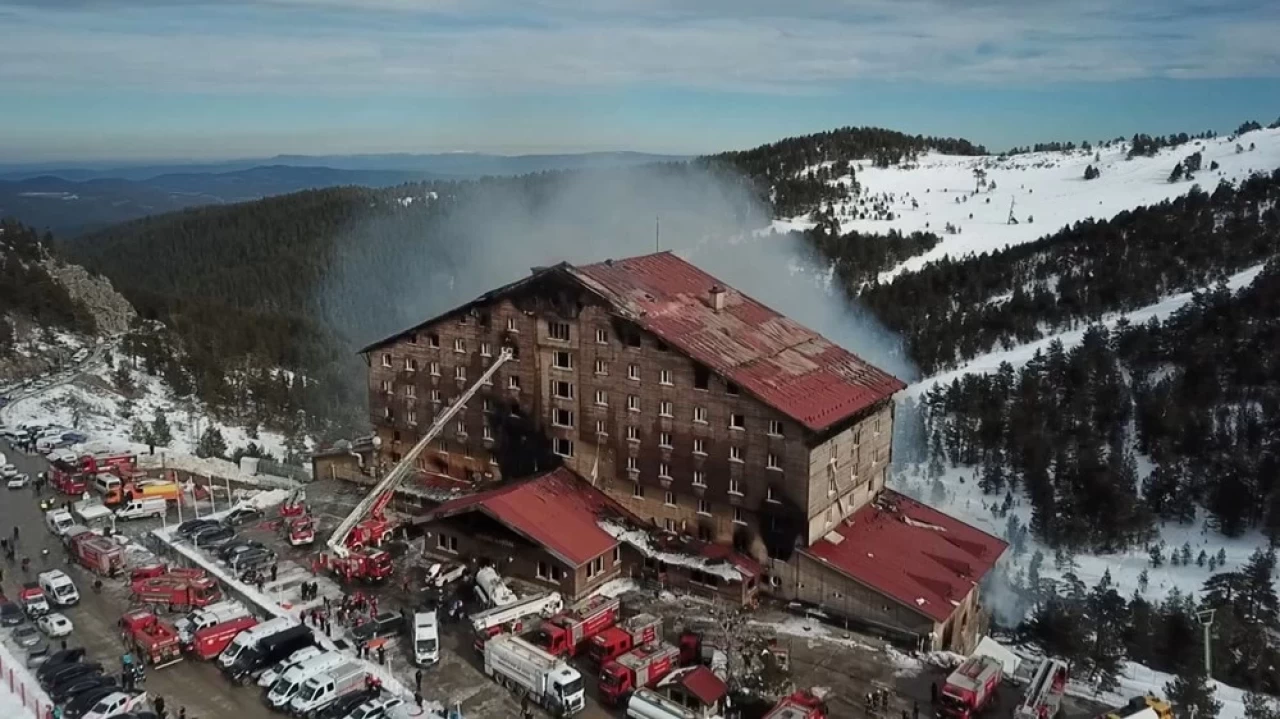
[
  {"x": 375, "y": 708},
  {"x": 347, "y": 704},
  {"x": 63, "y": 658},
  {"x": 38, "y": 654},
  {"x": 230, "y": 549},
  {"x": 251, "y": 558},
  {"x": 8, "y": 471},
  {"x": 115, "y": 704},
  {"x": 18, "y": 481},
  {"x": 69, "y": 690},
  {"x": 26, "y": 636},
  {"x": 68, "y": 676},
  {"x": 55, "y": 625},
  {"x": 11, "y": 614},
  {"x": 213, "y": 537},
  {"x": 82, "y": 703},
  {"x": 241, "y": 516},
  {"x": 191, "y": 526},
  {"x": 384, "y": 625}
]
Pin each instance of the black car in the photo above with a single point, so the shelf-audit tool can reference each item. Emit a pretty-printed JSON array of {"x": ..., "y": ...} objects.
[
  {"x": 229, "y": 549},
  {"x": 241, "y": 516},
  {"x": 66, "y": 691},
  {"x": 344, "y": 705},
  {"x": 10, "y": 614},
  {"x": 59, "y": 659},
  {"x": 63, "y": 673},
  {"x": 384, "y": 625},
  {"x": 82, "y": 703},
  {"x": 251, "y": 558},
  {"x": 215, "y": 536},
  {"x": 191, "y": 526}
]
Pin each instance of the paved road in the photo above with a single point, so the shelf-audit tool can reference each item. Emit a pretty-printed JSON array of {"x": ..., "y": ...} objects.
[{"x": 196, "y": 685}]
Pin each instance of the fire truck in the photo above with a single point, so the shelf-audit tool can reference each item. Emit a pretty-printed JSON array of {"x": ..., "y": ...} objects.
[
  {"x": 105, "y": 462},
  {"x": 800, "y": 705},
  {"x": 638, "y": 668},
  {"x": 569, "y": 632},
  {"x": 67, "y": 478},
  {"x": 1044, "y": 693},
  {"x": 510, "y": 618},
  {"x": 971, "y": 687},
  {"x": 152, "y": 638},
  {"x": 638, "y": 631},
  {"x": 349, "y": 553},
  {"x": 97, "y": 553},
  {"x": 177, "y": 590}
]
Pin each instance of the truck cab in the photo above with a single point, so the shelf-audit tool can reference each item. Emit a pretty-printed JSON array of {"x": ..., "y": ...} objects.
[
  {"x": 58, "y": 521},
  {"x": 59, "y": 588},
  {"x": 33, "y": 601}
]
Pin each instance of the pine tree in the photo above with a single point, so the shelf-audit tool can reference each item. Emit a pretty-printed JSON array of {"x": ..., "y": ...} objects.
[
  {"x": 1177, "y": 173},
  {"x": 1202, "y": 558},
  {"x": 140, "y": 432},
  {"x": 1186, "y": 554},
  {"x": 1157, "y": 555},
  {"x": 161, "y": 436},
  {"x": 1105, "y": 620},
  {"x": 1192, "y": 689},
  {"x": 211, "y": 443},
  {"x": 1222, "y": 557},
  {"x": 1143, "y": 580},
  {"x": 1260, "y": 706},
  {"x": 122, "y": 378}
]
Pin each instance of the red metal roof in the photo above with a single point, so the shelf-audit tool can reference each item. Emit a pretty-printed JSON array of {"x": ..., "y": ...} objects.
[
  {"x": 556, "y": 510},
  {"x": 911, "y": 552},
  {"x": 786, "y": 365},
  {"x": 700, "y": 682}
]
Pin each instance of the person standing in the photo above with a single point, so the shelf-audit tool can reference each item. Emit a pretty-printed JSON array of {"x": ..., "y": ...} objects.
[{"x": 417, "y": 680}]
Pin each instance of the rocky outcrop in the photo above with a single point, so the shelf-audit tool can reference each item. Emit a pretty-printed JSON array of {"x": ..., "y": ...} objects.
[{"x": 111, "y": 311}]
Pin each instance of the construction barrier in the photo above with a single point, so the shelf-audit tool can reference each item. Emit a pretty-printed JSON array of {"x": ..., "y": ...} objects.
[{"x": 19, "y": 682}]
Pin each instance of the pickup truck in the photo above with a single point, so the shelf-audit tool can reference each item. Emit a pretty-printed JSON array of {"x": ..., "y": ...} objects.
[{"x": 386, "y": 624}]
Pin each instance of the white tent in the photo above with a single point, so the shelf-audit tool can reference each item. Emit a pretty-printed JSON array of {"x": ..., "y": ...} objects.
[{"x": 989, "y": 647}]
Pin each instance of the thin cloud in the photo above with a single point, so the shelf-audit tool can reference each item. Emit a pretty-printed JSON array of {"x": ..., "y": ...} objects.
[{"x": 423, "y": 47}]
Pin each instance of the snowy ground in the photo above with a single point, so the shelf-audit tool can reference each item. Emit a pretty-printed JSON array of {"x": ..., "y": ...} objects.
[
  {"x": 91, "y": 404},
  {"x": 1047, "y": 186}
]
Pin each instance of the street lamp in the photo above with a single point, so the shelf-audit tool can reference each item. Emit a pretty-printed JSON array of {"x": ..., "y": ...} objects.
[{"x": 1206, "y": 621}]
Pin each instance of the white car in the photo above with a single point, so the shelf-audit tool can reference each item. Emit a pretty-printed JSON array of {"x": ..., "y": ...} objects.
[
  {"x": 115, "y": 704},
  {"x": 18, "y": 481},
  {"x": 8, "y": 471},
  {"x": 375, "y": 708},
  {"x": 55, "y": 625}
]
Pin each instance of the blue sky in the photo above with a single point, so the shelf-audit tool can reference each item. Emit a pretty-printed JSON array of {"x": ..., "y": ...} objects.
[{"x": 157, "y": 79}]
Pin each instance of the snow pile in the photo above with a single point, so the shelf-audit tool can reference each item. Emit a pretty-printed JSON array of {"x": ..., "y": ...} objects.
[
  {"x": 642, "y": 541},
  {"x": 1047, "y": 186},
  {"x": 203, "y": 466},
  {"x": 1136, "y": 680},
  {"x": 618, "y": 587},
  {"x": 809, "y": 629},
  {"x": 11, "y": 700}
]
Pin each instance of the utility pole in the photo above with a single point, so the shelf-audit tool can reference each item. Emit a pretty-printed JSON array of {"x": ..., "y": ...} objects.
[
  {"x": 657, "y": 234},
  {"x": 1206, "y": 621}
]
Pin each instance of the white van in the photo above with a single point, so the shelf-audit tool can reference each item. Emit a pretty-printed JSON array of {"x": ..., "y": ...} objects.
[
  {"x": 269, "y": 677},
  {"x": 216, "y": 613},
  {"x": 142, "y": 508},
  {"x": 250, "y": 637},
  {"x": 58, "y": 520},
  {"x": 105, "y": 482},
  {"x": 322, "y": 690},
  {"x": 426, "y": 639},
  {"x": 286, "y": 687},
  {"x": 59, "y": 588}
]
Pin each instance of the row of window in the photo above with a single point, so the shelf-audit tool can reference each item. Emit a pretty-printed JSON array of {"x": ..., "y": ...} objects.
[{"x": 700, "y": 480}]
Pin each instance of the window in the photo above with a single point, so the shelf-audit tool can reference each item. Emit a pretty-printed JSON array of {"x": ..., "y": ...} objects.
[
  {"x": 435, "y": 395},
  {"x": 488, "y": 380},
  {"x": 669, "y": 525},
  {"x": 562, "y": 390},
  {"x": 704, "y": 507},
  {"x": 386, "y": 413},
  {"x": 600, "y": 428},
  {"x": 562, "y": 360},
  {"x": 410, "y": 391},
  {"x": 460, "y": 373},
  {"x": 486, "y": 405},
  {"x": 633, "y": 464},
  {"x": 735, "y": 487},
  {"x": 664, "y": 470},
  {"x": 563, "y": 447},
  {"x": 664, "y": 408},
  {"x": 701, "y": 377},
  {"x": 699, "y": 446},
  {"x": 738, "y": 516},
  {"x": 602, "y": 367},
  {"x": 737, "y": 421},
  {"x": 775, "y": 427},
  {"x": 602, "y": 399},
  {"x": 735, "y": 454},
  {"x": 731, "y": 389},
  {"x": 562, "y": 418},
  {"x": 879, "y": 424},
  {"x": 464, "y": 320},
  {"x": 669, "y": 499},
  {"x": 831, "y": 486},
  {"x": 828, "y": 517},
  {"x": 486, "y": 349},
  {"x": 411, "y": 417},
  {"x": 664, "y": 377},
  {"x": 664, "y": 440},
  {"x": 617, "y": 554},
  {"x": 413, "y": 338},
  {"x": 459, "y": 345},
  {"x": 633, "y": 371},
  {"x": 386, "y": 360},
  {"x": 633, "y": 402},
  {"x": 433, "y": 341},
  {"x": 544, "y": 571},
  {"x": 637, "y": 491},
  {"x": 770, "y": 495},
  {"x": 595, "y": 567},
  {"x": 699, "y": 478},
  {"x": 386, "y": 386},
  {"x": 558, "y": 331},
  {"x": 434, "y": 368},
  {"x": 602, "y": 337},
  {"x": 482, "y": 319},
  {"x": 511, "y": 325},
  {"x": 632, "y": 338},
  {"x": 633, "y": 433},
  {"x": 700, "y": 415},
  {"x": 880, "y": 454},
  {"x": 772, "y": 462},
  {"x": 513, "y": 382},
  {"x": 444, "y": 446},
  {"x": 410, "y": 364},
  {"x": 487, "y": 432},
  {"x": 462, "y": 427},
  {"x": 447, "y": 543}
]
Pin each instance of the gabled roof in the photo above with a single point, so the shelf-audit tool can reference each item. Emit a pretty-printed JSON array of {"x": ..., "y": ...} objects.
[
  {"x": 924, "y": 559},
  {"x": 556, "y": 510},
  {"x": 699, "y": 682},
  {"x": 784, "y": 364}
]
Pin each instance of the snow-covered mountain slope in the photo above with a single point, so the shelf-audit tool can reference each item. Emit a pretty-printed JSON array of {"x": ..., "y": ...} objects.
[{"x": 1046, "y": 189}]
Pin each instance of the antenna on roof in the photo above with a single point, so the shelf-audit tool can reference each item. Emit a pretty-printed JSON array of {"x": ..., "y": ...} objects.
[{"x": 657, "y": 234}]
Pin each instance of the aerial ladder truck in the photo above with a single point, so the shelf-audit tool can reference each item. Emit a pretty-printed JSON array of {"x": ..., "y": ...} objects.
[{"x": 353, "y": 551}]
